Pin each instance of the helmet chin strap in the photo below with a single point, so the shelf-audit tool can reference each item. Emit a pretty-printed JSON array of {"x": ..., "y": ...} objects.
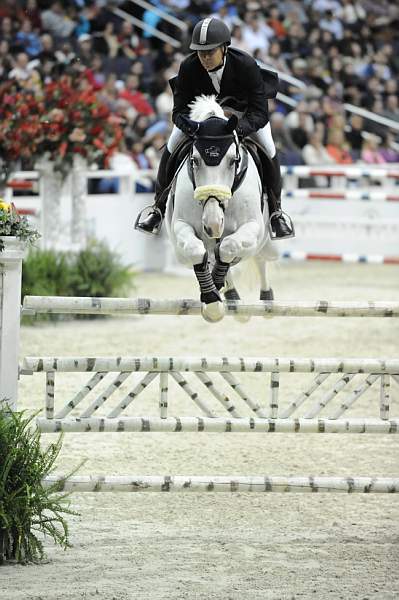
[{"x": 222, "y": 63}]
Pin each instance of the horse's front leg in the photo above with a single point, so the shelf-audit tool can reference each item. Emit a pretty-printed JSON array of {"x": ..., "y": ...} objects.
[
  {"x": 241, "y": 244},
  {"x": 193, "y": 252}
]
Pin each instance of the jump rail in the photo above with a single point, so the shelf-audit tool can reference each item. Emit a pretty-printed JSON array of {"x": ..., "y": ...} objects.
[
  {"x": 167, "y": 364},
  {"x": 217, "y": 425},
  {"x": 267, "y": 415},
  {"x": 383, "y": 195},
  {"x": 185, "y": 483},
  {"x": 146, "y": 306}
]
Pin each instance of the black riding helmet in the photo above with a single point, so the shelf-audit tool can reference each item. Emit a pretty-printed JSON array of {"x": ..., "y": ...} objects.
[{"x": 210, "y": 33}]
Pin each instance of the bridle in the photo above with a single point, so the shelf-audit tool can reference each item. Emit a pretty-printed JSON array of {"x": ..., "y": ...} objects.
[{"x": 212, "y": 155}]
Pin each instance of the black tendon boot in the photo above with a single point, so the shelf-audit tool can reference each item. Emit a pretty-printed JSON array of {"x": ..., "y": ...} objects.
[
  {"x": 153, "y": 222},
  {"x": 220, "y": 270},
  {"x": 280, "y": 224},
  {"x": 209, "y": 292}
]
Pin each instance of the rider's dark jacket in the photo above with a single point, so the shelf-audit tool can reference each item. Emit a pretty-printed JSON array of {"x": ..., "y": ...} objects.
[{"x": 241, "y": 80}]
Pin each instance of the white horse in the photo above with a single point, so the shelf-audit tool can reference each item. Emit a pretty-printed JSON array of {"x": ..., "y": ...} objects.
[{"x": 215, "y": 211}]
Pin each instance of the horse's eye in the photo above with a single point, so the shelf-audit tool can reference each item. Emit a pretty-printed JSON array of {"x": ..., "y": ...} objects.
[
  {"x": 232, "y": 161},
  {"x": 194, "y": 161}
]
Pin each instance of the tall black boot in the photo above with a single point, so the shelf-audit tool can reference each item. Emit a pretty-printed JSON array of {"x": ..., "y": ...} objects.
[
  {"x": 280, "y": 224},
  {"x": 153, "y": 222}
]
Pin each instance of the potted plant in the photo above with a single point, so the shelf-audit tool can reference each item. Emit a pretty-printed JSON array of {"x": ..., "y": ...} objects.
[
  {"x": 29, "y": 508},
  {"x": 15, "y": 230}
]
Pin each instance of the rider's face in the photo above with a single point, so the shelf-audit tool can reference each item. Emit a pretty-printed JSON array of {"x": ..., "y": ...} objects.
[{"x": 210, "y": 59}]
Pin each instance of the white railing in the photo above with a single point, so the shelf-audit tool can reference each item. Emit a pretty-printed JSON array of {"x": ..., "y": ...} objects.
[{"x": 355, "y": 219}]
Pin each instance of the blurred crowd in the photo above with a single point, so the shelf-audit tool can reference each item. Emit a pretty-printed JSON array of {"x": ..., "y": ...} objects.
[{"x": 333, "y": 52}]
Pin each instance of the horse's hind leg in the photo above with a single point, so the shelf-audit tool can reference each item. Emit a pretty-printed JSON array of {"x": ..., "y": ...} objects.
[
  {"x": 230, "y": 291},
  {"x": 266, "y": 291}
]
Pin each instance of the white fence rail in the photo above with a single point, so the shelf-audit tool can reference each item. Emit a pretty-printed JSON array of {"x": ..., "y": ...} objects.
[{"x": 355, "y": 218}]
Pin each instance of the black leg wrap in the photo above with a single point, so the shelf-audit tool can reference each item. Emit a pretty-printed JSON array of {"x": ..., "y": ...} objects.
[
  {"x": 209, "y": 292},
  {"x": 219, "y": 273},
  {"x": 220, "y": 269},
  {"x": 232, "y": 294},
  {"x": 266, "y": 295}
]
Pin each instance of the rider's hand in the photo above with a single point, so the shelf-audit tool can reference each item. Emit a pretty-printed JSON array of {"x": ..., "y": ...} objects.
[
  {"x": 240, "y": 133},
  {"x": 187, "y": 125}
]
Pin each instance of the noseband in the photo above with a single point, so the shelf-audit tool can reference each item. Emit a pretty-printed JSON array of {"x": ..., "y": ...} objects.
[{"x": 212, "y": 149}]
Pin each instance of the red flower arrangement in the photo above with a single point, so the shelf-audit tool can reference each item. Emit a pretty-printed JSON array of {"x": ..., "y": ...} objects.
[{"x": 63, "y": 119}]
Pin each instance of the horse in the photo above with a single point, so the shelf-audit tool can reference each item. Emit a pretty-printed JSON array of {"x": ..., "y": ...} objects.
[{"x": 215, "y": 214}]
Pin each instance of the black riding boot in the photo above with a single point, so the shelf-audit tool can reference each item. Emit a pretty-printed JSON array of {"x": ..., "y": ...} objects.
[
  {"x": 152, "y": 223},
  {"x": 280, "y": 224}
]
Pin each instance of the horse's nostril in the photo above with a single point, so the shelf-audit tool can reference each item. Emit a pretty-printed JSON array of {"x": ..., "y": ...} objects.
[{"x": 208, "y": 231}]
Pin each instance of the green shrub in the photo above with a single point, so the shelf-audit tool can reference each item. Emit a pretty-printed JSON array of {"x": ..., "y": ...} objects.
[
  {"x": 97, "y": 271},
  {"x": 46, "y": 273},
  {"x": 27, "y": 508},
  {"x": 94, "y": 271}
]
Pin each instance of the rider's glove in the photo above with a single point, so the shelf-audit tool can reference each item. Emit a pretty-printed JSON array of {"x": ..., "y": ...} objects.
[
  {"x": 187, "y": 125},
  {"x": 240, "y": 133}
]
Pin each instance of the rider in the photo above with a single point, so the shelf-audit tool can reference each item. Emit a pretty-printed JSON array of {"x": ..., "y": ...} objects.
[{"x": 229, "y": 72}]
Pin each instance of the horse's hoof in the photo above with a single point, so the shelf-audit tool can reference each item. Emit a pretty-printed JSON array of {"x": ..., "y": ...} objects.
[
  {"x": 213, "y": 312},
  {"x": 266, "y": 295},
  {"x": 242, "y": 318}
]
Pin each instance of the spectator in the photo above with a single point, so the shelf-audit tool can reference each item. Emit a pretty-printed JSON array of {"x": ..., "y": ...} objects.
[
  {"x": 387, "y": 149},
  {"x": 136, "y": 98},
  {"x": 95, "y": 74},
  {"x": 332, "y": 24},
  {"x": 289, "y": 153},
  {"x": 391, "y": 110},
  {"x": 300, "y": 117},
  {"x": 338, "y": 148},
  {"x": 128, "y": 41},
  {"x": 28, "y": 40},
  {"x": 275, "y": 21},
  {"x": 314, "y": 152},
  {"x": 85, "y": 49},
  {"x": 47, "y": 51},
  {"x": 370, "y": 153},
  {"x": 33, "y": 13},
  {"x": 56, "y": 22},
  {"x": 300, "y": 134},
  {"x": 107, "y": 43},
  {"x": 275, "y": 58},
  {"x": 7, "y": 32},
  {"x": 164, "y": 103},
  {"x": 353, "y": 135},
  {"x": 257, "y": 35},
  {"x": 352, "y": 14},
  {"x": 237, "y": 39},
  {"x": 21, "y": 69}
]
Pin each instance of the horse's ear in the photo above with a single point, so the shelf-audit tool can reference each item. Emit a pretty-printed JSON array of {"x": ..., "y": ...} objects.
[{"x": 231, "y": 123}]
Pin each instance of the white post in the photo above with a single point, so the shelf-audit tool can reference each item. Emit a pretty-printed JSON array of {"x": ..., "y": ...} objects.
[{"x": 10, "y": 309}]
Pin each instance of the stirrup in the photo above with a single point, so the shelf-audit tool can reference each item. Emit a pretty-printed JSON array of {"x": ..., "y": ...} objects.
[
  {"x": 287, "y": 218},
  {"x": 147, "y": 211}
]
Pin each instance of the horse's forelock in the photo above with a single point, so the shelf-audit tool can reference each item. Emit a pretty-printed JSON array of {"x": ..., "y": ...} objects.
[{"x": 204, "y": 107}]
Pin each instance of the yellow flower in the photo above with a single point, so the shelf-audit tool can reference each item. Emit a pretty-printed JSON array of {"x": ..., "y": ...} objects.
[{"x": 6, "y": 206}]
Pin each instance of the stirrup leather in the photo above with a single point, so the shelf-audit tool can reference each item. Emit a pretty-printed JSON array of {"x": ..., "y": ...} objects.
[
  {"x": 287, "y": 218},
  {"x": 147, "y": 211}
]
